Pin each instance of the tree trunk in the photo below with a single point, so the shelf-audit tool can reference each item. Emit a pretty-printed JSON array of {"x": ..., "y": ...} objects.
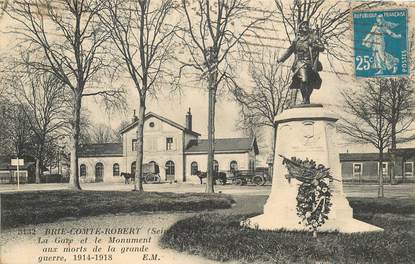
[
  {"x": 39, "y": 160},
  {"x": 37, "y": 171},
  {"x": 76, "y": 118},
  {"x": 58, "y": 163},
  {"x": 393, "y": 155},
  {"x": 380, "y": 190},
  {"x": 211, "y": 137},
  {"x": 381, "y": 145},
  {"x": 138, "y": 184}
]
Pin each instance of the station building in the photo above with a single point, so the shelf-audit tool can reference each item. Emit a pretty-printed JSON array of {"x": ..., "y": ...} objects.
[{"x": 176, "y": 149}]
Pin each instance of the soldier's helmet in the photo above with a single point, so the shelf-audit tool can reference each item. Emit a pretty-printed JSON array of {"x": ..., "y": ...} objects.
[{"x": 303, "y": 27}]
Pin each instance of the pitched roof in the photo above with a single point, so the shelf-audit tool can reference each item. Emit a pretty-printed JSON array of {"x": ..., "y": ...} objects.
[
  {"x": 166, "y": 120},
  {"x": 362, "y": 156},
  {"x": 224, "y": 145},
  {"x": 101, "y": 150},
  {"x": 403, "y": 151}
]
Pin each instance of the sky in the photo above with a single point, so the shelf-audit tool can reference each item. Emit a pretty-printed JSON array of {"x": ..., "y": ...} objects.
[{"x": 175, "y": 106}]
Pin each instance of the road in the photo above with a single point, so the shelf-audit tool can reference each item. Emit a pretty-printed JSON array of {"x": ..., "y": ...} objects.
[{"x": 351, "y": 190}]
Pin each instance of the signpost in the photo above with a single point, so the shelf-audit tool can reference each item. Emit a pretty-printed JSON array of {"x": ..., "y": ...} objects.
[{"x": 17, "y": 162}]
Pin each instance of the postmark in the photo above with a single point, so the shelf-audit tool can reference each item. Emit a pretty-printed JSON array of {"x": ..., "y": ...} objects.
[{"x": 380, "y": 43}]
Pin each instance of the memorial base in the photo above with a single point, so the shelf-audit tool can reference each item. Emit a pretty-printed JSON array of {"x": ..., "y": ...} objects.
[{"x": 306, "y": 132}]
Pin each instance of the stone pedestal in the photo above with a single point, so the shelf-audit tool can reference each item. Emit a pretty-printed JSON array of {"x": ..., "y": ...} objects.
[{"x": 307, "y": 131}]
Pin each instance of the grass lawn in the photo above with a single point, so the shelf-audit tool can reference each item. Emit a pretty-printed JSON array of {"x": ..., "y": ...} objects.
[
  {"x": 23, "y": 208},
  {"x": 220, "y": 237}
]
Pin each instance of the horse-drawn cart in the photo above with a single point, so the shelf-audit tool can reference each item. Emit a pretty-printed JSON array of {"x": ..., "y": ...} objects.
[
  {"x": 218, "y": 176},
  {"x": 237, "y": 177},
  {"x": 242, "y": 177},
  {"x": 151, "y": 174}
]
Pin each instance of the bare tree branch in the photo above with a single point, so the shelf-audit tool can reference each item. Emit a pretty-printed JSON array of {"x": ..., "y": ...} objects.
[
  {"x": 212, "y": 33},
  {"x": 65, "y": 38},
  {"x": 143, "y": 37}
]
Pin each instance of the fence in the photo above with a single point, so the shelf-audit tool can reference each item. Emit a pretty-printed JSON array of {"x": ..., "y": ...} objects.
[
  {"x": 5, "y": 177},
  {"x": 11, "y": 177}
]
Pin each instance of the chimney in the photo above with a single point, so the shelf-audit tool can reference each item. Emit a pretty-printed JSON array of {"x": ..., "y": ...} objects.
[
  {"x": 189, "y": 120},
  {"x": 135, "y": 118}
]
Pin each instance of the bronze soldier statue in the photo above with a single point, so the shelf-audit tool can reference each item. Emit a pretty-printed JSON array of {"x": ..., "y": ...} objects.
[{"x": 306, "y": 46}]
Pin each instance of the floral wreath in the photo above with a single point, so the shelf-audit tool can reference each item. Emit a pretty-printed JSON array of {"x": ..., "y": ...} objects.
[{"x": 314, "y": 194}]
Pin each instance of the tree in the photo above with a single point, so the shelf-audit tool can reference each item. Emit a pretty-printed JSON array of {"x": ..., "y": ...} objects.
[
  {"x": 211, "y": 36},
  {"x": 43, "y": 98},
  {"x": 101, "y": 134},
  {"x": 365, "y": 119},
  {"x": 52, "y": 156},
  {"x": 400, "y": 102},
  {"x": 117, "y": 132},
  {"x": 64, "y": 37},
  {"x": 269, "y": 96},
  {"x": 14, "y": 135},
  {"x": 143, "y": 36}
]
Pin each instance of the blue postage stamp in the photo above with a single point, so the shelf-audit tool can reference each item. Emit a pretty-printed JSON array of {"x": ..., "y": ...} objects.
[{"x": 380, "y": 43}]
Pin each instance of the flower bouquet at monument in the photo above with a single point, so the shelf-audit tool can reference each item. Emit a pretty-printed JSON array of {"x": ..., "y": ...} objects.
[{"x": 314, "y": 194}]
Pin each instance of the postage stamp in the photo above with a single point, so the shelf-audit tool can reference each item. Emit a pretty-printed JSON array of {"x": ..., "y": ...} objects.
[{"x": 380, "y": 43}]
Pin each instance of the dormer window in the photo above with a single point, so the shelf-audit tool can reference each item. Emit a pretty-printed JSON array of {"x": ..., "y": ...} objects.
[{"x": 169, "y": 143}]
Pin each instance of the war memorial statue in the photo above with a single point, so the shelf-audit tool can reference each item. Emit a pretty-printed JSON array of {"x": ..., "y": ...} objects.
[
  {"x": 306, "y": 47},
  {"x": 307, "y": 189}
]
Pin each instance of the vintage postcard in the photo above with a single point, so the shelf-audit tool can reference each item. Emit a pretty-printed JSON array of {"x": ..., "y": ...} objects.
[{"x": 197, "y": 131}]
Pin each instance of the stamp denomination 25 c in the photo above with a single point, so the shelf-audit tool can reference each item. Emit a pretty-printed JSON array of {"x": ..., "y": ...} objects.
[{"x": 380, "y": 43}]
